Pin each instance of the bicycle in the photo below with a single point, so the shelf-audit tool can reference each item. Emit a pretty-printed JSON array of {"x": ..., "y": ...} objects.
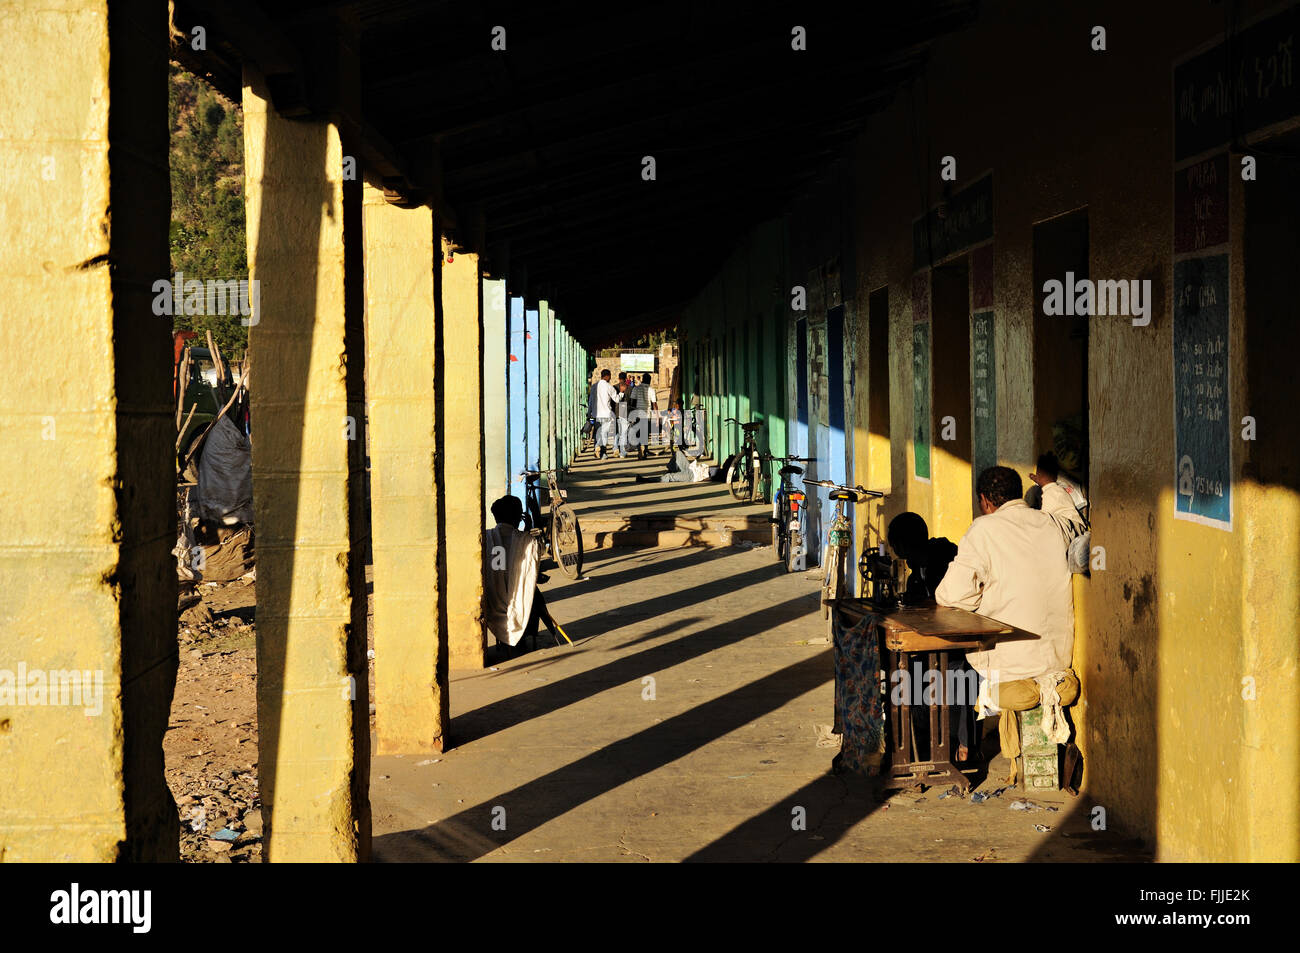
[
  {"x": 743, "y": 475},
  {"x": 694, "y": 438},
  {"x": 787, "y": 514},
  {"x": 588, "y": 431},
  {"x": 839, "y": 538},
  {"x": 558, "y": 534}
]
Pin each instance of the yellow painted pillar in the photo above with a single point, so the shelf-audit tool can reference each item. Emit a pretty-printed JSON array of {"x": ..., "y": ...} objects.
[
  {"x": 88, "y": 601},
  {"x": 307, "y": 358},
  {"x": 405, "y": 501},
  {"x": 462, "y": 369}
]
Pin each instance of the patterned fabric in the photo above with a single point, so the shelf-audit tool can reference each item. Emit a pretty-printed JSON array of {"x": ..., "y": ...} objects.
[{"x": 859, "y": 704}]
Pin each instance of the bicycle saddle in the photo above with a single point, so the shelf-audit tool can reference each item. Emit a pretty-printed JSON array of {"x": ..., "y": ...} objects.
[
  {"x": 844, "y": 495},
  {"x": 751, "y": 427},
  {"x": 789, "y": 469}
]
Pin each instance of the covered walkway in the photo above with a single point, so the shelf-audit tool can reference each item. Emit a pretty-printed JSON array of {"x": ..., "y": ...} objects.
[
  {"x": 851, "y": 220},
  {"x": 683, "y": 725}
]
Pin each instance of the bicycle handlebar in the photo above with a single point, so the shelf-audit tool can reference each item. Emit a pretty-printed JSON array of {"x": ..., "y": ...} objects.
[{"x": 860, "y": 490}]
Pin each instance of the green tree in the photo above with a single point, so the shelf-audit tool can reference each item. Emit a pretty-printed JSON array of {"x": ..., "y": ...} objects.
[{"x": 207, "y": 180}]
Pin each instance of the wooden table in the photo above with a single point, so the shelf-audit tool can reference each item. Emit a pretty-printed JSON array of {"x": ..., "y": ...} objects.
[{"x": 935, "y": 631}]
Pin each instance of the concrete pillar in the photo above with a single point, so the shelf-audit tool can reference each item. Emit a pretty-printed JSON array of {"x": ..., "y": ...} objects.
[
  {"x": 565, "y": 399},
  {"x": 495, "y": 391},
  {"x": 545, "y": 378},
  {"x": 304, "y": 247},
  {"x": 403, "y": 253},
  {"x": 88, "y": 601},
  {"x": 462, "y": 459},
  {"x": 532, "y": 390},
  {"x": 517, "y": 433}
]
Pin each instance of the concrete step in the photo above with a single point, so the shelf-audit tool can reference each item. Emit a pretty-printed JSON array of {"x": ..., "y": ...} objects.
[{"x": 605, "y": 532}]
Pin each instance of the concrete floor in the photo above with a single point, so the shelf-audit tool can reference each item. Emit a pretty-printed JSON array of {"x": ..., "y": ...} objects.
[{"x": 682, "y": 725}]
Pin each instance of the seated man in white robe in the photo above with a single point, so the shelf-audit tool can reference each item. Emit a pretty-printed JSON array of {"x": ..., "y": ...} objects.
[
  {"x": 512, "y": 602},
  {"x": 1011, "y": 566}
]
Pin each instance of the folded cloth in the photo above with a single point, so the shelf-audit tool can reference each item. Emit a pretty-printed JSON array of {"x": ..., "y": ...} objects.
[
  {"x": 984, "y": 700},
  {"x": 860, "y": 708},
  {"x": 1055, "y": 726}
]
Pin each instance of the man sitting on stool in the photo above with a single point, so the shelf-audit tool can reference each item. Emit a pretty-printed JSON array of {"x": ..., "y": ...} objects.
[
  {"x": 1011, "y": 566},
  {"x": 512, "y": 601}
]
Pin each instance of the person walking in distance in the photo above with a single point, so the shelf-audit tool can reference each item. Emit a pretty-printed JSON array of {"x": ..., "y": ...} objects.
[{"x": 602, "y": 405}]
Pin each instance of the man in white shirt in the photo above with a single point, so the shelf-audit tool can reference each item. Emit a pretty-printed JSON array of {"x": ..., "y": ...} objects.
[
  {"x": 513, "y": 605},
  {"x": 1011, "y": 566},
  {"x": 602, "y": 404},
  {"x": 1055, "y": 493}
]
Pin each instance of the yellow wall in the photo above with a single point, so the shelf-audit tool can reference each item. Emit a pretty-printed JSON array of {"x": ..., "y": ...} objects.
[
  {"x": 1182, "y": 611},
  {"x": 88, "y": 584},
  {"x": 463, "y": 460},
  {"x": 409, "y": 633}
]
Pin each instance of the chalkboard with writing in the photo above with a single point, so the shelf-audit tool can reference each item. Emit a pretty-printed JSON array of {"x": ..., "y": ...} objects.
[
  {"x": 1202, "y": 417},
  {"x": 921, "y": 399},
  {"x": 984, "y": 392}
]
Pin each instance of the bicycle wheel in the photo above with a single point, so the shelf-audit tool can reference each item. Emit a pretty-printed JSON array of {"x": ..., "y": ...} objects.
[
  {"x": 755, "y": 474},
  {"x": 740, "y": 476},
  {"x": 780, "y": 535},
  {"x": 834, "y": 558},
  {"x": 566, "y": 541},
  {"x": 794, "y": 552}
]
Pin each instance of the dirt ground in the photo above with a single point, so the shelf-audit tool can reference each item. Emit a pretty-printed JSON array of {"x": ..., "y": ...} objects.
[
  {"x": 211, "y": 743},
  {"x": 210, "y": 747}
]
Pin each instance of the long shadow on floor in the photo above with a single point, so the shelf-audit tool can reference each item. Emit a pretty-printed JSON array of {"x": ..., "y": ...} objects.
[
  {"x": 468, "y": 835},
  {"x": 508, "y": 712},
  {"x": 688, "y": 559},
  {"x": 826, "y": 808},
  {"x": 609, "y": 620}
]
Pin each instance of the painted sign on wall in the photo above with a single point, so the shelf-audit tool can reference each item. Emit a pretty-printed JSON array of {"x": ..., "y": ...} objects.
[
  {"x": 1216, "y": 94},
  {"x": 983, "y": 376},
  {"x": 1201, "y": 205},
  {"x": 1203, "y": 423},
  {"x": 921, "y": 399},
  {"x": 965, "y": 220}
]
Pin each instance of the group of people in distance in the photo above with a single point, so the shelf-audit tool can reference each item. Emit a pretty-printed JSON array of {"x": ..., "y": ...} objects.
[
  {"x": 626, "y": 416},
  {"x": 1012, "y": 565}
]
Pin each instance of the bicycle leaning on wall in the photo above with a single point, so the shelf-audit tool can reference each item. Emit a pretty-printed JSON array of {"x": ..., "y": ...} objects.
[
  {"x": 742, "y": 477},
  {"x": 787, "y": 513},
  {"x": 558, "y": 533},
  {"x": 839, "y": 541}
]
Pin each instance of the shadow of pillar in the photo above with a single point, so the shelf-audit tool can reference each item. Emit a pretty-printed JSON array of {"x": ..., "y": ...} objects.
[{"x": 306, "y": 352}]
